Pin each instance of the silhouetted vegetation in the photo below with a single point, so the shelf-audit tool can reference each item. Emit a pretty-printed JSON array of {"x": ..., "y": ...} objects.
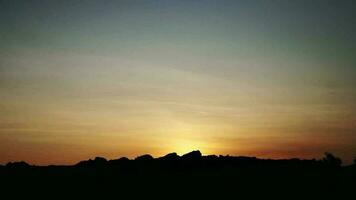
[
  {"x": 331, "y": 160},
  {"x": 192, "y": 173}
]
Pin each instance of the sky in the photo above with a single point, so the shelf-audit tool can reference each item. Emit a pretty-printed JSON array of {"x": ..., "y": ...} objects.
[{"x": 272, "y": 79}]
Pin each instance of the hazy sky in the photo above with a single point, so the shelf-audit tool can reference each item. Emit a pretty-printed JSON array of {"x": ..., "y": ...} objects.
[{"x": 80, "y": 79}]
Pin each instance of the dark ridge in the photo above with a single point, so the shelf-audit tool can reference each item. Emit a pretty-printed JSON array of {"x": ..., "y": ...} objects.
[
  {"x": 118, "y": 161},
  {"x": 20, "y": 164},
  {"x": 145, "y": 157},
  {"x": 96, "y": 162},
  {"x": 193, "y": 173},
  {"x": 194, "y": 155},
  {"x": 329, "y": 160},
  {"x": 170, "y": 157}
]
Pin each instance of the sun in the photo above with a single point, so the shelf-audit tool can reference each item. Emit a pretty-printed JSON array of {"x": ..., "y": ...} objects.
[{"x": 185, "y": 146}]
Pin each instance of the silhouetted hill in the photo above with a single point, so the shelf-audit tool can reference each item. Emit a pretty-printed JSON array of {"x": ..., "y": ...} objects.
[
  {"x": 194, "y": 155},
  {"x": 170, "y": 157},
  {"x": 193, "y": 173},
  {"x": 17, "y": 165},
  {"x": 145, "y": 157},
  {"x": 98, "y": 161}
]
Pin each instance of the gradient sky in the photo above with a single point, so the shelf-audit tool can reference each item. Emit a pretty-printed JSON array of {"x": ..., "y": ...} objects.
[{"x": 273, "y": 79}]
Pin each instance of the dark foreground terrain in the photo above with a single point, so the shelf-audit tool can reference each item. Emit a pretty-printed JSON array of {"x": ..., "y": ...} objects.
[{"x": 190, "y": 175}]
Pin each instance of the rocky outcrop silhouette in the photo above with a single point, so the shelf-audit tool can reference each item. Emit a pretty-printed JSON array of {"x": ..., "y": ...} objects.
[
  {"x": 170, "y": 157},
  {"x": 196, "y": 173},
  {"x": 20, "y": 164},
  {"x": 122, "y": 160},
  {"x": 145, "y": 157},
  {"x": 194, "y": 155},
  {"x": 98, "y": 161}
]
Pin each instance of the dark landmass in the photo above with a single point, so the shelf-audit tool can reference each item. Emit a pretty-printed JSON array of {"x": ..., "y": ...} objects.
[{"x": 190, "y": 175}]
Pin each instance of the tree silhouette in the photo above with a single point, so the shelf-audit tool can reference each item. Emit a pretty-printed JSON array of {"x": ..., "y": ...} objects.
[{"x": 331, "y": 160}]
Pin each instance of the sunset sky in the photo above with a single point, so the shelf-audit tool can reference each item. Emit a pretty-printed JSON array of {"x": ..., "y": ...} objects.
[{"x": 272, "y": 79}]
